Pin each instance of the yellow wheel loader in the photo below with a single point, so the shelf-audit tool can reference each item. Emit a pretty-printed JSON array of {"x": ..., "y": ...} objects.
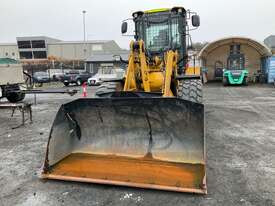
[{"x": 145, "y": 130}]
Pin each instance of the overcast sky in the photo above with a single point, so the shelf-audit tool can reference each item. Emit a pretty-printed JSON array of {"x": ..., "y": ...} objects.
[{"x": 62, "y": 19}]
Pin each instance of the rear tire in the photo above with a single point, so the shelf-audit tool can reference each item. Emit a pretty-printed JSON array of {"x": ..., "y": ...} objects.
[
  {"x": 14, "y": 97},
  {"x": 79, "y": 82},
  {"x": 108, "y": 87},
  {"x": 38, "y": 84},
  {"x": 245, "y": 82},
  {"x": 225, "y": 81},
  {"x": 190, "y": 90},
  {"x": 66, "y": 84}
]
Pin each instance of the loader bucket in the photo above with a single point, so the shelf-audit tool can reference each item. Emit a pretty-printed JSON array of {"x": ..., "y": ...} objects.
[{"x": 155, "y": 143}]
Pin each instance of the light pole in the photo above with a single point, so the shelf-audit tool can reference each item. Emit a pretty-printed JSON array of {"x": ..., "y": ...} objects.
[
  {"x": 84, "y": 24},
  {"x": 84, "y": 36}
]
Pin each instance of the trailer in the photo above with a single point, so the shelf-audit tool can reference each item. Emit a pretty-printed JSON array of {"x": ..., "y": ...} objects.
[{"x": 11, "y": 79}]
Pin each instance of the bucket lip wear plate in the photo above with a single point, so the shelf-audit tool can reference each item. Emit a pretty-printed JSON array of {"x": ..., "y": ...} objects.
[
  {"x": 58, "y": 172},
  {"x": 121, "y": 183}
]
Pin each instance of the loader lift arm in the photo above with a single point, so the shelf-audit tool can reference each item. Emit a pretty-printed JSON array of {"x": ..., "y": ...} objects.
[{"x": 140, "y": 70}]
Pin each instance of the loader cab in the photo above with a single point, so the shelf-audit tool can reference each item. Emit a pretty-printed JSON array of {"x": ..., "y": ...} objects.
[{"x": 163, "y": 30}]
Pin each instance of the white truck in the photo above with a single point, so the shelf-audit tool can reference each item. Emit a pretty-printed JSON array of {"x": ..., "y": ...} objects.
[
  {"x": 11, "y": 78},
  {"x": 106, "y": 75}
]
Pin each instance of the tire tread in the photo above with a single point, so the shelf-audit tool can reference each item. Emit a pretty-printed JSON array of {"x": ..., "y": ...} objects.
[{"x": 190, "y": 90}]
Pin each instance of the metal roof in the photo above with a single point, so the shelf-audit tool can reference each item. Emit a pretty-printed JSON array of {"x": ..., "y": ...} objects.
[
  {"x": 8, "y": 44},
  {"x": 33, "y": 38},
  {"x": 260, "y": 47},
  {"x": 107, "y": 57},
  {"x": 82, "y": 42},
  {"x": 52, "y": 41}
]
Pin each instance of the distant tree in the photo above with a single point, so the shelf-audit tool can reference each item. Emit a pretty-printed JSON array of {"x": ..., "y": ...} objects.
[{"x": 197, "y": 46}]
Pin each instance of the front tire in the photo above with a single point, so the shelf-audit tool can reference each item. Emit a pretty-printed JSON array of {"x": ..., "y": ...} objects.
[
  {"x": 190, "y": 90},
  {"x": 66, "y": 84}
]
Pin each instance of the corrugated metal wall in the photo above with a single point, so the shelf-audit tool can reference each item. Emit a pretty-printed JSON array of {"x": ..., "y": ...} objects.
[{"x": 220, "y": 54}]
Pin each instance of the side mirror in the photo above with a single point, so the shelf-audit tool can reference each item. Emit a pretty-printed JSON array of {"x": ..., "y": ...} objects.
[
  {"x": 196, "y": 21},
  {"x": 117, "y": 58},
  {"x": 124, "y": 27}
]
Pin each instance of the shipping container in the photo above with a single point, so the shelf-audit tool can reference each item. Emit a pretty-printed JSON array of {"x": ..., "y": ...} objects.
[{"x": 271, "y": 70}]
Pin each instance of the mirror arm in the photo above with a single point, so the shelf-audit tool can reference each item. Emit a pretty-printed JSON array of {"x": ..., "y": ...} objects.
[{"x": 123, "y": 61}]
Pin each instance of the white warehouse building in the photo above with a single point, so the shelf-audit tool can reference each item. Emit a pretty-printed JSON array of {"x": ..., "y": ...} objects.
[{"x": 43, "y": 48}]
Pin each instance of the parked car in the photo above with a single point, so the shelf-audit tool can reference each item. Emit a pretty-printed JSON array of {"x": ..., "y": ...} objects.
[
  {"x": 56, "y": 74},
  {"x": 75, "y": 77},
  {"x": 41, "y": 77},
  {"x": 106, "y": 75}
]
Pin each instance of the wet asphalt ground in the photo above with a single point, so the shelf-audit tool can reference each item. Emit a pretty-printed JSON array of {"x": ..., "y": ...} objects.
[{"x": 240, "y": 141}]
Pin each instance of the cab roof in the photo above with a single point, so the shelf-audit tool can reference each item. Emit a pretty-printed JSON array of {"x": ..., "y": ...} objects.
[
  {"x": 153, "y": 11},
  {"x": 157, "y": 10},
  {"x": 162, "y": 10}
]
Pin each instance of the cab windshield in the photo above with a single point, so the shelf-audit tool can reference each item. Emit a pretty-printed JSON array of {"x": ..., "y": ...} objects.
[
  {"x": 162, "y": 35},
  {"x": 236, "y": 63}
]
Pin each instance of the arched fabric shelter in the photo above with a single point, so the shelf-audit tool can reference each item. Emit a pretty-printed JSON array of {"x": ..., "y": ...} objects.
[{"x": 214, "y": 55}]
